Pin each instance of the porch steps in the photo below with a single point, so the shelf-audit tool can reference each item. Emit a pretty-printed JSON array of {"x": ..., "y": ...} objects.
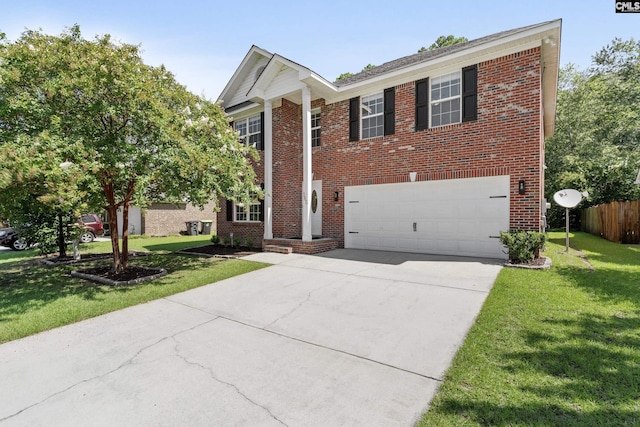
[{"x": 278, "y": 249}]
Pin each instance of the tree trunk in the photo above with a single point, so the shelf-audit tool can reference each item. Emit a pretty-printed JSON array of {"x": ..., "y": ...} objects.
[
  {"x": 125, "y": 234},
  {"x": 112, "y": 209},
  {"x": 125, "y": 224},
  {"x": 62, "y": 246}
]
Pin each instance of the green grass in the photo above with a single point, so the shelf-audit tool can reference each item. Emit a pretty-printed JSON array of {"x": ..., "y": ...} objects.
[
  {"x": 36, "y": 297},
  {"x": 556, "y": 347}
]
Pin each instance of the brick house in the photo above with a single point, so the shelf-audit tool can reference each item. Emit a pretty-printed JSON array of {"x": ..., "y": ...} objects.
[{"x": 435, "y": 152}]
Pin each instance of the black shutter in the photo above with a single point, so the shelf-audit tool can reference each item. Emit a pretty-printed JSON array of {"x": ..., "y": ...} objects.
[
  {"x": 354, "y": 119},
  {"x": 390, "y": 111},
  {"x": 260, "y": 144},
  {"x": 229, "y": 210},
  {"x": 470, "y": 93},
  {"x": 262, "y": 204},
  {"x": 422, "y": 104}
]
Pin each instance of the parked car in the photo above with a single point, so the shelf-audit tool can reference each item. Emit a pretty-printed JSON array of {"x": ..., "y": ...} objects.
[
  {"x": 91, "y": 227},
  {"x": 9, "y": 238},
  {"x": 90, "y": 224}
]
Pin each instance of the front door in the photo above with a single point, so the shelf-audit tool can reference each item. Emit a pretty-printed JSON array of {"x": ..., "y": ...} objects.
[{"x": 316, "y": 208}]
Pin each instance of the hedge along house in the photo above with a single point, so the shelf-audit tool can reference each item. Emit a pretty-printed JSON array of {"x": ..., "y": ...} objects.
[{"x": 435, "y": 152}]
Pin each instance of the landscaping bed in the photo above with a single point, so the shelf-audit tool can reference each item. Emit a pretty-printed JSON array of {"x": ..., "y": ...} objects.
[{"x": 222, "y": 251}]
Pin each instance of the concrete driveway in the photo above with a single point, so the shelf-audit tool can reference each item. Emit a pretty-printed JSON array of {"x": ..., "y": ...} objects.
[{"x": 347, "y": 337}]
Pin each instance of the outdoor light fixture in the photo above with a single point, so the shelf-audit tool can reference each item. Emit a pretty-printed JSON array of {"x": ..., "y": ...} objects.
[
  {"x": 521, "y": 187},
  {"x": 336, "y": 196}
]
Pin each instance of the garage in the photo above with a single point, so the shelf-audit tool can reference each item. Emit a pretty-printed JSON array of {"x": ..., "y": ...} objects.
[{"x": 461, "y": 217}]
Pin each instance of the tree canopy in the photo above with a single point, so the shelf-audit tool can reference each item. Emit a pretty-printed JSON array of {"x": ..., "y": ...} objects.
[
  {"x": 596, "y": 144},
  {"x": 443, "y": 41},
  {"x": 440, "y": 42},
  {"x": 85, "y": 124}
]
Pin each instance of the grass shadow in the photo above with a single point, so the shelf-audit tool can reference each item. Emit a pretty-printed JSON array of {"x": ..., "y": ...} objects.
[{"x": 29, "y": 285}]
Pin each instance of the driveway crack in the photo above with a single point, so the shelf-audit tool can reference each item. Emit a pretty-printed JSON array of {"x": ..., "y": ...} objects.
[
  {"x": 127, "y": 362},
  {"x": 300, "y": 304},
  {"x": 221, "y": 381}
]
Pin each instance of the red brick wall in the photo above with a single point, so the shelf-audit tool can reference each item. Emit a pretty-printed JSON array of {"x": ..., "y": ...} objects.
[
  {"x": 255, "y": 230},
  {"x": 166, "y": 219},
  {"x": 505, "y": 139}
]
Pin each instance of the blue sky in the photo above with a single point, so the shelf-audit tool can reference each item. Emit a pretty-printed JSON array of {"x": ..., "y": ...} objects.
[{"x": 203, "y": 42}]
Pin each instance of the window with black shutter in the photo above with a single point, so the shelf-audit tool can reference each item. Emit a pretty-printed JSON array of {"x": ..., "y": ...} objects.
[
  {"x": 260, "y": 142},
  {"x": 470, "y": 93},
  {"x": 422, "y": 104},
  {"x": 390, "y": 111},
  {"x": 354, "y": 119},
  {"x": 229, "y": 210},
  {"x": 262, "y": 203}
]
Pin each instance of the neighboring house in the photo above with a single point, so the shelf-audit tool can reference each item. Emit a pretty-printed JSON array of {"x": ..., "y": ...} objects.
[
  {"x": 435, "y": 152},
  {"x": 166, "y": 219}
]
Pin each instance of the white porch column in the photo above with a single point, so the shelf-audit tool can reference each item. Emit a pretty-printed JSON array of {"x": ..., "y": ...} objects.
[
  {"x": 307, "y": 176},
  {"x": 268, "y": 170}
]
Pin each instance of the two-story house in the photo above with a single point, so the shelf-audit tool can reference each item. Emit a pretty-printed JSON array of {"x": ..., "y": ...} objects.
[{"x": 435, "y": 152}]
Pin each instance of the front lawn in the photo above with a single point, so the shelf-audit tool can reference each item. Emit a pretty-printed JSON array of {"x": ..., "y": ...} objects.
[
  {"x": 36, "y": 298},
  {"x": 556, "y": 347}
]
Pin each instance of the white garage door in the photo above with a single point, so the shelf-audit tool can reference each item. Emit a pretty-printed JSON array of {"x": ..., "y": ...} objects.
[{"x": 451, "y": 217}]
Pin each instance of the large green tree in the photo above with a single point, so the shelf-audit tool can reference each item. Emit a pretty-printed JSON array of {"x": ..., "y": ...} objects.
[
  {"x": 86, "y": 124},
  {"x": 596, "y": 145}
]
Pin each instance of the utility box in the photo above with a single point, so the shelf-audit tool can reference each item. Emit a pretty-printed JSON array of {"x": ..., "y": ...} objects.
[
  {"x": 206, "y": 226},
  {"x": 192, "y": 228}
]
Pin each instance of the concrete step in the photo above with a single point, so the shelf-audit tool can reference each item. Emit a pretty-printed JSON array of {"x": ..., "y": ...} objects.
[{"x": 278, "y": 249}]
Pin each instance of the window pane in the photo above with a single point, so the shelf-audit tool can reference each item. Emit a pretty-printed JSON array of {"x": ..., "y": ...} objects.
[
  {"x": 254, "y": 124},
  {"x": 241, "y": 127},
  {"x": 445, "y": 100}
]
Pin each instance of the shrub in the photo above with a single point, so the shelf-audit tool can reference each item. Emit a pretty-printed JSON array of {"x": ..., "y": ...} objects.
[
  {"x": 248, "y": 242},
  {"x": 237, "y": 241},
  {"x": 523, "y": 246},
  {"x": 215, "y": 239},
  {"x": 226, "y": 241}
]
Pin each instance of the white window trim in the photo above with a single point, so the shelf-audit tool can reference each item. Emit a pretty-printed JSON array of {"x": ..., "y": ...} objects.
[
  {"x": 431, "y": 126},
  {"x": 248, "y": 213},
  {"x": 248, "y": 135},
  {"x": 362, "y": 117},
  {"x": 316, "y": 111}
]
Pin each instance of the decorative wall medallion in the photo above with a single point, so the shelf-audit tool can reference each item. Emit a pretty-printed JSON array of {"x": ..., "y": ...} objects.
[{"x": 314, "y": 201}]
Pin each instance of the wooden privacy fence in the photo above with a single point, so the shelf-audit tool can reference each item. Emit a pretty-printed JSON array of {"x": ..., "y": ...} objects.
[{"x": 616, "y": 221}]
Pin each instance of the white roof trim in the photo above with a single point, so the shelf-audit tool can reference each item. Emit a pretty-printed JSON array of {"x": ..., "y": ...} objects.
[
  {"x": 447, "y": 58},
  {"x": 544, "y": 35},
  {"x": 255, "y": 50}
]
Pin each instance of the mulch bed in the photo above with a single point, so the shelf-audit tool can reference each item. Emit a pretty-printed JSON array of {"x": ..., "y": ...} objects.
[
  {"x": 221, "y": 251},
  {"x": 541, "y": 263},
  {"x": 88, "y": 257}
]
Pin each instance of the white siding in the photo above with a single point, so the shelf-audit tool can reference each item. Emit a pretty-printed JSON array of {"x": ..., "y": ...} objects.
[{"x": 240, "y": 94}]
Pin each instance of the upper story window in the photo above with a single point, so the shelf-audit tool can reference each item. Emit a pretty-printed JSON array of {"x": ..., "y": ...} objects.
[
  {"x": 445, "y": 99},
  {"x": 372, "y": 115},
  {"x": 315, "y": 127},
  {"x": 250, "y": 131}
]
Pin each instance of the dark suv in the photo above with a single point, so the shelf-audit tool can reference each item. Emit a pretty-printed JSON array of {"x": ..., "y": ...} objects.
[{"x": 9, "y": 238}]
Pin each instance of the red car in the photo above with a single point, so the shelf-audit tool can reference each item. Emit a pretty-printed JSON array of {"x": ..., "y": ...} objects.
[{"x": 91, "y": 227}]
